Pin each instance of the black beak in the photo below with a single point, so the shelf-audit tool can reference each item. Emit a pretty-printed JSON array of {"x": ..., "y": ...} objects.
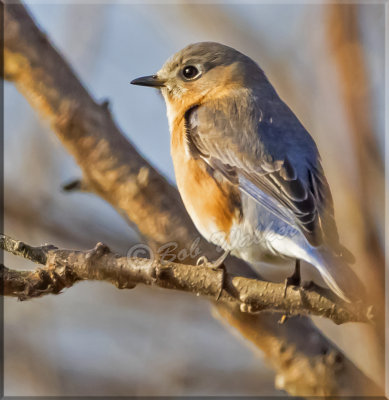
[{"x": 151, "y": 80}]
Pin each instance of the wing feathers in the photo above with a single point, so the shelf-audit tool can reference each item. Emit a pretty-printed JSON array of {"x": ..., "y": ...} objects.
[{"x": 257, "y": 159}]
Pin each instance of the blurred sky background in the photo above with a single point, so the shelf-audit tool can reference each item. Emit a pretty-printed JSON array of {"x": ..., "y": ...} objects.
[{"x": 94, "y": 339}]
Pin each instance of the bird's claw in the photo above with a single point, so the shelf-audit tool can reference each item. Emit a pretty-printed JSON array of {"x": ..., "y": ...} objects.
[
  {"x": 216, "y": 265},
  {"x": 202, "y": 261}
]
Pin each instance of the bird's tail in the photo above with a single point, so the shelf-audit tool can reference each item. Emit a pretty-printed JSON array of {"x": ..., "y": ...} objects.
[{"x": 339, "y": 276}]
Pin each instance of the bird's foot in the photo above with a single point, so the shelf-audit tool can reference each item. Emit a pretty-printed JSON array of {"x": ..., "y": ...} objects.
[
  {"x": 294, "y": 279},
  {"x": 217, "y": 265},
  {"x": 203, "y": 260}
]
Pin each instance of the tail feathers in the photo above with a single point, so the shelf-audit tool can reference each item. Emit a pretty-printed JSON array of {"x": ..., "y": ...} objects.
[{"x": 340, "y": 277}]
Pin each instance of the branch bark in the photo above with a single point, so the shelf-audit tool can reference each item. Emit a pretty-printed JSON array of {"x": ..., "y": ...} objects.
[
  {"x": 63, "y": 268},
  {"x": 114, "y": 170}
]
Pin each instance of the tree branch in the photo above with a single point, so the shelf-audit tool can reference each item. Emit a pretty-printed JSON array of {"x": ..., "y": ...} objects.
[
  {"x": 63, "y": 268},
  {"x": 114, "y": 170},
  {"x": 120, "y": 174}
]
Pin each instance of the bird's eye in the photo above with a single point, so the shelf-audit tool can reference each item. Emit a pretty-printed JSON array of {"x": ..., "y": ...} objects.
[{"x": 190, "y": 72}]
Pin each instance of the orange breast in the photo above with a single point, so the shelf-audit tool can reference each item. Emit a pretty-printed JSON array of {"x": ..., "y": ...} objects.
[{"x": 213, "y": 205}]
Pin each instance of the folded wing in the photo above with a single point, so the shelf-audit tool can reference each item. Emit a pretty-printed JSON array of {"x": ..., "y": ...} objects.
[{"x": 273, "y": 159}]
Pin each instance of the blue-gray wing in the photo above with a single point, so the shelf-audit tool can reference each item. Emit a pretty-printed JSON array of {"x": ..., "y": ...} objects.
[{"x": 269, "y": 154}]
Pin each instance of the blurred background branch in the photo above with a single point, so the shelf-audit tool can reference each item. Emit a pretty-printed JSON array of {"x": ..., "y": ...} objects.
[
  {"x": 345, "y": 45},
  {"x": 114, "y": 170}
]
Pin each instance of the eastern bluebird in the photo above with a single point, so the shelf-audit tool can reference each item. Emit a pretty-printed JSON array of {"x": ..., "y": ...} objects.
[{"x": 247, "y": 170}]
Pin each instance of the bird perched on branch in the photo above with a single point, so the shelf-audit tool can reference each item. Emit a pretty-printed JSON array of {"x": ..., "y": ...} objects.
[{"x": 247, "y": 170}]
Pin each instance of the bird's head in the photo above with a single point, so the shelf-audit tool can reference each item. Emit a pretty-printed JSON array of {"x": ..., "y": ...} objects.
[{"x": 202, "y": 70}]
